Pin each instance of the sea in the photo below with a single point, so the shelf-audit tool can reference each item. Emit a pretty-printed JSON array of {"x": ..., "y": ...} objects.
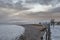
[
  {"x": 55, "y": 32},
  {"x": 11, "y": 32}
]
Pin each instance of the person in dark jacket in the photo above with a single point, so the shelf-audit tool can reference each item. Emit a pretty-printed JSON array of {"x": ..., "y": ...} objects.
[{"x": 52, "y": 22}]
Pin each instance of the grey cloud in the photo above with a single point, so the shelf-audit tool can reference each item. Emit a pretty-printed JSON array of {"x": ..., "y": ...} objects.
[
  {"x": 19, "y": 5},
  {"x": 55, "y": 10},
  {"x": 32, "y": 1},
  {"x": 9, "y": 4},
  {"x": 44, "y": 2},
  {"x": 5, "y": 16}
]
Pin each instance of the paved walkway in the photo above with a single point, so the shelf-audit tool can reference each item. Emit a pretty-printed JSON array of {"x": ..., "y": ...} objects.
[{"x": 33, "y": 31}]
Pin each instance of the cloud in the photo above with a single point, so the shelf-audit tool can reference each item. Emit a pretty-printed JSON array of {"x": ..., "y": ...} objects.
[
  {"x": 31, "y": 4},
  {"x": 38, "y": 1},
  {"x": 14, "y": 1},
  {"x": 43, "y": 2},
  {"x": 41, "y": 5},
  {"x": 54, "y": 10},
  {"x": 31, "y": 10},
  {"x": 39, "y": 8},
  {"x": 8, "y": 15}
]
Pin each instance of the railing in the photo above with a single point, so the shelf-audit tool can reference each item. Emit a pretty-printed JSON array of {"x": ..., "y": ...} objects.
[{"x": 48, "y": 32}]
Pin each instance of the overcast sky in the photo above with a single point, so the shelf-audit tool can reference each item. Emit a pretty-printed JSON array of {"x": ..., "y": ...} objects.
[
  {"x": 36, "y": 8},
  {"x": 40, "y": 5}
]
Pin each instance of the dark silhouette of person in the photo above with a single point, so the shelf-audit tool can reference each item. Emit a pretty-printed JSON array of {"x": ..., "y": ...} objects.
[{"x": 52, "y": 22}]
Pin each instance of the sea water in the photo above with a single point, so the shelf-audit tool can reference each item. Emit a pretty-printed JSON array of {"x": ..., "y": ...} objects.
[
  {"x": 10, "y": 32},
  {"x": 55, "y": 32}
]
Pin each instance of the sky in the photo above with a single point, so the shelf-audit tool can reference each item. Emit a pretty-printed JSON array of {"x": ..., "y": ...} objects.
[
  {"x": 40, "y": 5},
  {"x": 37, "y": 9}
]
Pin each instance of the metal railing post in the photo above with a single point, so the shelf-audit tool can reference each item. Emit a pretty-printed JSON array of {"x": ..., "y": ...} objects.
[{"x": 49, "y": 32}]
